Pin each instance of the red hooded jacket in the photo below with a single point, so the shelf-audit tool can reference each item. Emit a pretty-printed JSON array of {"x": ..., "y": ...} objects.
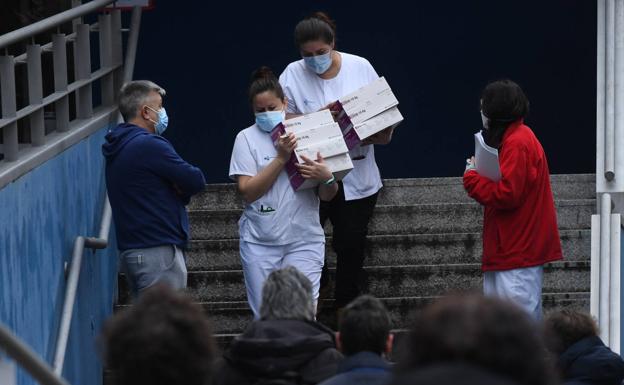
[{"x": 520, "y": 221}]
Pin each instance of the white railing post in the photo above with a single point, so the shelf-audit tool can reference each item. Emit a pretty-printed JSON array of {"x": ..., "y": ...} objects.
[
  {"x": 606, "y": 226},
  {"x": 9, "y": 107}
]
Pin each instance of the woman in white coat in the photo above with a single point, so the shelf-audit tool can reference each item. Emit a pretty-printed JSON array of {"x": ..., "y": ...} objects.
[
  {"x": 279, "y": 227},
  {"x": 321, "y": 77}
]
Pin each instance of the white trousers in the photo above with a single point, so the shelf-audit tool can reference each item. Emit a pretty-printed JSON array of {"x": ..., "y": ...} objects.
[
  {"x": 521, "y": 286},
  {"x": 260, "y": 260}
]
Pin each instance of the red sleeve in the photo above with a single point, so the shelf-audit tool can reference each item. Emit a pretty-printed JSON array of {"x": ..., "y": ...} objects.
[{"x": 506, "y": 194}]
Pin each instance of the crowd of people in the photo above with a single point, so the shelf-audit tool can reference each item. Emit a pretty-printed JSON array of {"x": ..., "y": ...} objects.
[
  {"x": 499, "y": 337},
  {"x": 460, "y": 339}
]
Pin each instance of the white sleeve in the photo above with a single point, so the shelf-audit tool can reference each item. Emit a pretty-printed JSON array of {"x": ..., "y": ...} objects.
[
  {"x": 370, "y": 72},
  {"x": 284, "y": 82},
  {"x": 242, "y": 161}
]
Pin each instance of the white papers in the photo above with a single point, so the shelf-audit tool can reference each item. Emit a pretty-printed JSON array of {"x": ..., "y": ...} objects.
[{"x": 486, "y": 159}]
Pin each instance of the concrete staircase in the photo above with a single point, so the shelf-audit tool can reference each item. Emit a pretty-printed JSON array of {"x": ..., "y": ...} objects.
[{"x": 424, "y": 241}]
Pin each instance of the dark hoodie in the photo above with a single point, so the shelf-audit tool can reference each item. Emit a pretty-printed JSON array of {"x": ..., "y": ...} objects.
[
  {"x": 148, "y": 186},
  {"x": 302, "y": 350},
  {"x": 590, "y": 362}
]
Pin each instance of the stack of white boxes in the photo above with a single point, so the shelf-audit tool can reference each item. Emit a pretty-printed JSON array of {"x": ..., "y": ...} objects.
[
  {"x": 316, "y": 133},
  {"x": 366, "y": 112}
]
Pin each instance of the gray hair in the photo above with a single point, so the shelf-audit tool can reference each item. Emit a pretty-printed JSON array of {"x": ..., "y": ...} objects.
[
  {"x": 287, "y": 295},
  {"x": 134, "y": 94}
]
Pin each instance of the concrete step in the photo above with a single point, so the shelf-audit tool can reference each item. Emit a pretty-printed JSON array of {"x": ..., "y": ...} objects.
[
  {"x": 233, "y": 317},
  {"x": 388, "y": 250},
  {"x": 408, "y": 192},
  {"x": 395, "y": 220},
  {"x": 390, "y": 281}
]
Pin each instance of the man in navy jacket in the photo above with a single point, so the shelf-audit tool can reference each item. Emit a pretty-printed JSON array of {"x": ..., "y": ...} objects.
[
  {"x": 148, "y": 187},
  {"x": 363, "y": 337}
]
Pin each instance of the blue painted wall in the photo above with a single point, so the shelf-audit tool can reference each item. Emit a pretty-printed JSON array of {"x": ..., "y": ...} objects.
[{"x": 41, "y": 213}]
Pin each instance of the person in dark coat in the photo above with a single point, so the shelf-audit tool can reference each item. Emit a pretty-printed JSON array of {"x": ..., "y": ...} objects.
[
  {"x": 488, "y": 333},
  {"x": 286, "y": 345},
  {"x": 450, "y": 374},
  {"x": 583, "y": 358},
  {"x": 364, "y": 338}
]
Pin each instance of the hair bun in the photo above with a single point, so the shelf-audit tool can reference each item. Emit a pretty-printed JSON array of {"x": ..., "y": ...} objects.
[
  {"x": 263, "y": 72},
  {"x": 325, "y": 18}
]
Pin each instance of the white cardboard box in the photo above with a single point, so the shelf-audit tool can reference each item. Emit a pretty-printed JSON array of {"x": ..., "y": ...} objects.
[
  {"x": 327, "y": 148},
  {"x": 388, "y": 118},
  {"x": 367, "y": 109},
  {"x": 308, "y": 121},
  {"x": 339, "y": 165},
  {"x": 316, "y": 132},
  {"x": 369, "y": 101}
]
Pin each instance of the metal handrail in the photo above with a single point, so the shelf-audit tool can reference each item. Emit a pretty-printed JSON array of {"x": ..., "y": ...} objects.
[
  {"x": 94, "y": 243},
  {"x": 11, "y": 344},
  {"x": 55, "y": 97},
  {"x": 51, "y": 22},
  {"x": 28, "y": 359}
]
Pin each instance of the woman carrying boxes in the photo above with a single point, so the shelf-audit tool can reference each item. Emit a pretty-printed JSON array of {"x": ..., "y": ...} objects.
[
  {"x": 321, "y": 77},
  {"x": 279, "y": 227}
]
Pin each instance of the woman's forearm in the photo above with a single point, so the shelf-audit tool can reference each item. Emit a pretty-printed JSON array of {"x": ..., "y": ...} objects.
[
  {"x": 253, "y": 187},
  {"x": 327, "y": 192}
]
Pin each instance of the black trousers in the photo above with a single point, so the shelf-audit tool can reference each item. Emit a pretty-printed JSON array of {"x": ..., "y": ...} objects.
[{"x": 350, "y": 227}]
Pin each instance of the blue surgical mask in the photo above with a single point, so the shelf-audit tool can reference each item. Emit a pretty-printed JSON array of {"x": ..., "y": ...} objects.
[
  {"x": 267, "y": 120},
  {"x": 163, "y": 120},
  {"x": 319, "y": 63}
]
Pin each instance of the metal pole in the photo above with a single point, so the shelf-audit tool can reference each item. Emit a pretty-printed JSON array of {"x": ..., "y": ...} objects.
[
  {"x": 9, "y": 107},
  {"x": 133, "y": 40},
  {"x": 61, "y": 107},
  {"x": 117, "y": 47},
  {"x": 68, "y": 305},
  {"x": 600, "y": 88},
  {"x": 615, "y": 283},
  {"x": 605, "y": 265},
  {"x": 35, "y": 94},
  {"x": 28, "y": 359},
  {"x": 106, "y": 60},
  {"x": 82, "y": 60},
  {"x": 609, "y": 139},
  {"x": 107, "y": 217}
]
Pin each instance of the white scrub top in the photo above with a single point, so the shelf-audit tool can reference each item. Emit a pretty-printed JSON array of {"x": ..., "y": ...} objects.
[
  {"x": 307, "y": 92},
  {"x": 281, "y": 216}
]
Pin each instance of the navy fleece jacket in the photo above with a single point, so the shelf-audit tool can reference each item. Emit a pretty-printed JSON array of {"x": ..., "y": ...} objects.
[{"x": 148, "y": 186}]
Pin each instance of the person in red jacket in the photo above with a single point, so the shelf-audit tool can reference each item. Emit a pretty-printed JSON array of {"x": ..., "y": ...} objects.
[{"x": 520, "y": 230}]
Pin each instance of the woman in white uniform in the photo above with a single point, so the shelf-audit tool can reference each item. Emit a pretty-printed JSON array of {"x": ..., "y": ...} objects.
[
  {"x": 279, "y": 227},
  {"x": 321, "y": 77}
]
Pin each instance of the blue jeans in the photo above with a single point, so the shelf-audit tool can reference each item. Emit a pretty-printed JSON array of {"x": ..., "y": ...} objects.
[{"x": 146, "y": 267}]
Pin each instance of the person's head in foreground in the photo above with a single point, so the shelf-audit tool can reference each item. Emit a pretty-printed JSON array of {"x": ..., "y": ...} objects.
[
  {"x": 502, "y": 103},
  {"x": 483, "y": 332},
  {"x": 364, "y": 327},
  {"x": 285, "y": 345},
  {"x": 163, "y": 339},
  {"x": 450, "y": 374},
  {"x": 287, "y": 295},
  {"x": 582, "y": 356}
]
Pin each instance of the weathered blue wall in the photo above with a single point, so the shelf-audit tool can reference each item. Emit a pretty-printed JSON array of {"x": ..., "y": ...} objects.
[{"x": 41, "y": 213}]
